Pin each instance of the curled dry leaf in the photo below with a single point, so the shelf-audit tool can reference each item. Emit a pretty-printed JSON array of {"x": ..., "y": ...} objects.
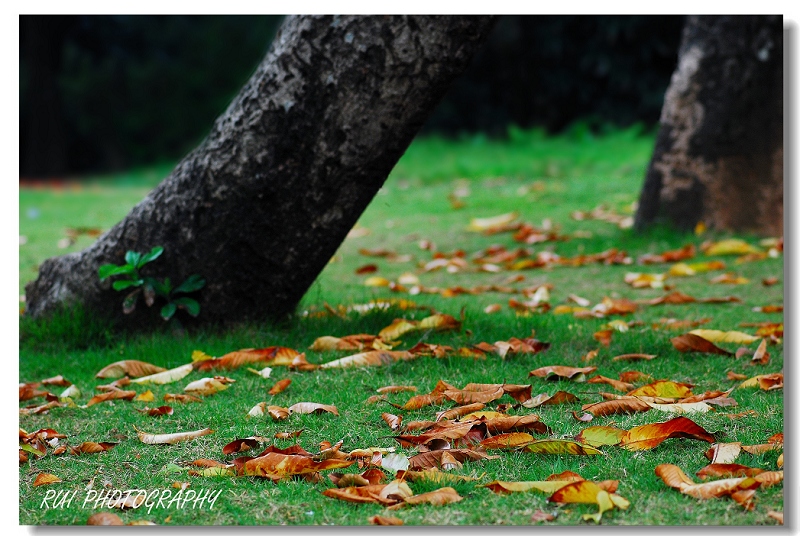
[
  {"x": 240, "y": 445},
  {"x": 727, "y": 470},
  {"x": 396, "y": 389},
  {"x": 674, "y": 477},
  {"x": 350, "y": 342},
  {"x": 435, "y": 458},
  {"x": 385, "y": 520},
  {"x": 691, "y": 342},
  {"x": 651, "y": 435},
  {"x": 665, "y": 389},
  {"x": 280, "y": 386},
  {"x": 171, "y": 439},
  {"x": 634, "y": 357},
  {"x": 543, "y": 399},
  {"x": 168, "y": 376},
  {"x": 761, "y": 356},
  {"x": 459, "y": 411},
  {"x": 369, "y": 359},
  {"x": 463, "y": 396},
  {"x": 558, "y": 372},
  {"x": 731, "y": 337},
  {"x": 616, "y": 384},
  {"x": 273, "y": 355},
  {"x": 393, "y": 421},
  {"x": 437, "y": 497},
  {"x": 111, "y": 395},
  {"x": 129, "y": 367},
  {"x": 589, "y": 492},
  {"x": 105, "y": 519},
  {"x": 312, "y": 407},
  {"x": 288, "y": 435},
  {"x": 91, "y": 447},
  {"x": 623, "y": 405},
  {"x": 276, "y": 412},
  {"x": 182, "y": 398},
  {"x": 275, "y": 465},
  {"x": 561, "y": 446},
  {"x": 157, "y": 412},
  {"x": 45, "y": 479},
  {"x": 511, "y": 440},
  {"x": 766, "y": 382},
  {"x": 208, "y": 386},
  {"x": 597, "y": 436}
]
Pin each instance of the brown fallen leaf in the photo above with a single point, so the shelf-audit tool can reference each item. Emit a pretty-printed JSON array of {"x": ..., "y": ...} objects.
[
  {"x": 558, "y": 372},
  {"x": 616, "y": 384},
  {"x": 168, "y": 376},
  {"x": 651, "y": 435},
  {"x": 539, "y": 516},
  {"x": 761, "y": 356},
  {"x": 240, "y": 445},
  {"x": 625, "y": 405},
  {"x": 507, "y": 441},
  {"x": 129, "y": 367},
  {"x": 276, "y": 466},
  {"x": 385, "y": 520},
  {"x": 393, "y": 421},
  {"x": 369, "y": 359},
  {"x": 91, "y": 447},
  {"x": 690, "y": 342},
  {"x": 171, "y": 439},
  {"x": 766, "y": 382},
  {"x": 437, "y": 497},
  {"x": 312, "y": 407},
  {"x": 111, "y": 395},
  {"x": 723, "y": 453},
  {"x": 45, "y": 479},
  {"x": 157, "y": 412},
  {"x": 272, "y": 356},
  {"x": 104, "y": 518},
  {"x": 634, "y": 357},
  {"x": 459, "y": 411},
  {"x": 279, "y": 387},
  {"x": 727, "y": 470},
  {"x": 396, "y": 389},
  {"x": 777, "y": 516},
  {"x": 183, "y": 398},
  {"x": 434, "y": 458},
  {"x": 675, "y": 478}
]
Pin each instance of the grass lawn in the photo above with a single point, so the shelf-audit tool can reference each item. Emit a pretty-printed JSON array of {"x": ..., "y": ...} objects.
[{"x": 425, "y": 208}]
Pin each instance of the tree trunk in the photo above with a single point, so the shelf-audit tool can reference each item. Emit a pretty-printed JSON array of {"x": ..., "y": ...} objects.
[
  {"x": 262, "y": 204},
  {"x": 718, "y": 157}
]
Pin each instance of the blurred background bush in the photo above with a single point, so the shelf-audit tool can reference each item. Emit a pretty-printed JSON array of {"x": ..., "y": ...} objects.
[{"x": 105, "y": 93}]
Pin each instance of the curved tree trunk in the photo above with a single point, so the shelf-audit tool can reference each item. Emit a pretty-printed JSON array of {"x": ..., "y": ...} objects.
[
  {"x": 718, "y": 157},
  {"x": 262, "y": 204}
]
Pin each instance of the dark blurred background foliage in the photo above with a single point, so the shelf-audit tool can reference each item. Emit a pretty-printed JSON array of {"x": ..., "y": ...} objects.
[{"x": 105, "y": 93}]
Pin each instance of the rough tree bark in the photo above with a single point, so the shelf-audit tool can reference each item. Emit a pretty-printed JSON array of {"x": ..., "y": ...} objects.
[
  {"x": 262, "y": 204},
  {"x": 718, "y": 157}
]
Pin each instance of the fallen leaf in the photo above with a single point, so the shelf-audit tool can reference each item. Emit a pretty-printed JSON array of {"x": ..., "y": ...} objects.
[
  {"x": 459, "y": 411},
  {"x": 651, "y": 435},
  {"x": 539, "y": 516},
  {"x": 560, "y": 446},
  {"x": 393, "y": 421},
  {"x": 729, "y": 279},
  {"x": 111, "y": 395},
  {"x": 691, "y": 342},
  {"x": 642, "y": 280},
  {"x": 240, "y": 445},
  {"x": 675, "y": 478},
  {"x": 589, "y": 492},
  {"x": 437, "y": 497},
  {"x": 723, "y": 453},
  {"x": 371, "y": 358},
  {"x": 171, "y": 439},
  {"x": 557, "y": 372},
  {"x": 616, "y": 384},
  {"x": 129, "y": 367},
  {"x": 275, "y": 465},
  {"x": 664, "y": 388},
  {"x": 208, "y": 386},
  {"x": 733, "y": 337},
  {"x": 597, "y": 436},
  {"x": 543, "y": 399},
  {"x": 279, "y": 387},
  {"x": 45, "y": 479},
  {"x": 272, "y": 355},
  {"x": 91, "y": 447},
  {"x": 634, "y": 357},
  {"x": 104, "y": 518},
  {"x": 484, "y": 224},
  {"x": 507, "y": 441},
  {"x": 169, "y": 397},
  {"x": 168, "y": 376},
  {"x": 766, "y": 382},
  {"x": 312, "y": 407},
  {"x": 433, "y": 458},
  {"x": 400, "y": 326},
  {"x": 730, "y": 246},
  {"x": 157, "y": 412},
  {"x": 385, "y": 520},
  {"x": 761, "y": 356},
  {"x": 777, "y": 516},
  {"x": 727, "y": 470}
]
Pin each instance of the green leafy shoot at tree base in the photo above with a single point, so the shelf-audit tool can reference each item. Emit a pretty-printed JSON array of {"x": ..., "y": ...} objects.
[{"x": 150, "y": 287}]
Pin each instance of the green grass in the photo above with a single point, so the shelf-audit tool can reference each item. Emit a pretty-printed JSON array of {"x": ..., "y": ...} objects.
[{"x": 540, "y": 178}]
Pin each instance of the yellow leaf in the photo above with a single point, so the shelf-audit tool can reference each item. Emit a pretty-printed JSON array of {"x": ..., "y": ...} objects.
[
  {"x": 733, "y": 337},
  {"x": 168, "y": 376},
  {"x": 482, "y": 224},
  {"x": 199, "y": 355},
  {"x": 731, "y": 246},
  {"x": 147, "y": 396}
]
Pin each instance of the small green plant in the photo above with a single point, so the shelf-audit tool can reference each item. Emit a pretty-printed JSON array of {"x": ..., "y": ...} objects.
[{"x": 151, "y": 288}]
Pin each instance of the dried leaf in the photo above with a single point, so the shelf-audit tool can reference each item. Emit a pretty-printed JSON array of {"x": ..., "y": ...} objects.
[
  {"x": 392, "y": 420},
  {"x": 484, "y": 224},
  {"x": 727, "y": 470},
  {"x": 634, "y": 357},
  {"x": 171, "y": 439},
  {"x": 437, "y": 497},
  {"x": 560, "y": 397},
  {"x": 396, "y": 389},
  {"x": 732, "y": 337},
  {"x": 45, "y": 479},
  {"x": 385, "y": 520},
  {"x": 511, "y": 440},
  {"x": 597, "y": 436},
  {"x": 560, "y": 446},
  {"x": 147, "y": 396},
  {"x": 111, "y": 395},
  {"x": 557, "y": 372},
  {"x": 777, "y": 516},
  {"x": 279, "y": 387},
  {"x": 208, "y": 386},
  {"x": 675, "y": 478},
  {"x": 168, "y": 376},
  {"x": 651, "y": 435},
  {"x": 664, "y": 388},
  {"x": 367, "y": 359},
  {"x": 157, "y": 412},
  {"x": 240, "y": 445},
  {"x": 588, "y": 492},
  {"x": 539, "y": 515},
  {"x": 723, "y": 453},
  {"x": 761, "y": 356},
  {"x": 460, "y": 411},
  {"x": 275, "y": 465},
  {"x": 169, "y": 397},
  {"x": 766, "y": 382},
  {"x": 433, "y": 458},
  {"x": 273, "y": 355},
  {"x": 616, "y": 384},
  {"x": 312, "y": 407},
  {"x": 129, "y": 367},
  {"x": 91, "y": 447},
  {"x": 104, "y": 518},
  {"x": 464, "y": 396},
  {"x": 730, "y": 246},
  {"x": 625, "y": 405},
  {"x": 691, "y": 342}
]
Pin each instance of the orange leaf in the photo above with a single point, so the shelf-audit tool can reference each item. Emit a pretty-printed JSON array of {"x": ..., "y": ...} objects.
[
  {"x": 460, "y": 411},
  {"x": 90, "y": 447},
  {"x": 633, "y": 357},
  {"x": 651, "y": 435},
  {"x": 104, "y": 518},
  {"x": 385, "y": 520},
  {"x": 558, "y": 372},
  {"x": 689, "y": 342},
  {"x": 312, "y": 407},
  {"x": 675, "y": 478},
  {"x": 280, "y": 386},
  {"x": 111, "y": 395},
  {"x": 433, "y": 458},
  {"x": 273, "y": 355},
  {"x": 507, "y": 441},
  {"x": 129, "y": 367},
  {"x": 471, "y": 397},
  {"x": 728, "y": 470},
  {"x": 275, "y": 466},
  {"x": 45, "y": 479},
  {"x": 616, "y": 384},
  {"x": 158, "y": 412},
  {"x": 396, "y": 389}
]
